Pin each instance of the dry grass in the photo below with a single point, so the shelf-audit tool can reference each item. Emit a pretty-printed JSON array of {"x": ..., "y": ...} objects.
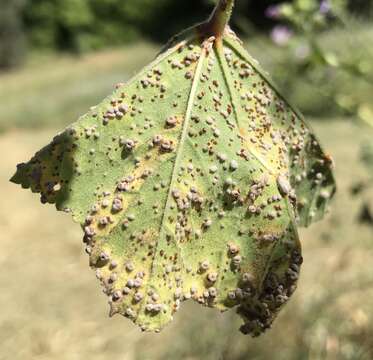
[{"x": 51, "y": 307}]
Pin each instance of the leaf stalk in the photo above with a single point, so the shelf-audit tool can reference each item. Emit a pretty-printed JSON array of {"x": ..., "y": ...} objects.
[{"x": 220, "y": 17}]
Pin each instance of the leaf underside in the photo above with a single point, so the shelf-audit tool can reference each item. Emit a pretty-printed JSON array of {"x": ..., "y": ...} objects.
[{"x": 189, "y": 182}]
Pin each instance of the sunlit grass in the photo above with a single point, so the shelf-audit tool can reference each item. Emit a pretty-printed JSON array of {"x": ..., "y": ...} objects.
[{"x": 55, "y": 90}]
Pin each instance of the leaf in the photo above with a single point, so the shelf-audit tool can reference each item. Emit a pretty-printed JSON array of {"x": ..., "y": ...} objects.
[{"x": 189, "y": 182}]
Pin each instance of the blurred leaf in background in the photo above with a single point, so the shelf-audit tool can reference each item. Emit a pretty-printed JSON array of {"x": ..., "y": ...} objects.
[
  {"x": 81, "y": 25},
  {"x": 318, "y": 46}
]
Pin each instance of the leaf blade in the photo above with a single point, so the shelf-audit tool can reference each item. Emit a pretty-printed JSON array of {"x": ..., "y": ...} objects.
[{"x": 184, "y": 181}]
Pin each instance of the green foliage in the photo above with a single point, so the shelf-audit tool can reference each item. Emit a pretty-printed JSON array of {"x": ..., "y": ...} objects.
[
  {"x": 189, "y": 182},
  {"x": 337, "y": 66},
  {"x": 73, "y": 25},
  {"x": 81, "y": 25},
  {"x": 11, "y": 34},
  {"x": 307, "y": 14}
]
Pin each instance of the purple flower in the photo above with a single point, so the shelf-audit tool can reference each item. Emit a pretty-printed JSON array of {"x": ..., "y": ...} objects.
[
  {"x": 273, "y": 12},
  {"x": 325, "y": 7},
  {"x": 281, "y": 35}
]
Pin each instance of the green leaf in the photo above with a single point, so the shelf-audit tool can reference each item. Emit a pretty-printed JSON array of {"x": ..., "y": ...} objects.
[{"x": 189, "y": 182}]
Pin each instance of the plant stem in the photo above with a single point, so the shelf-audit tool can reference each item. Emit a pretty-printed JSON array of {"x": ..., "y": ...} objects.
[{"x": 220, "y": 17}]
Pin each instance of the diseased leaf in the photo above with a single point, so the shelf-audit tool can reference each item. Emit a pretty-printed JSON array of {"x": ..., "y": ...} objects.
[{"x": 189, "y": 182}]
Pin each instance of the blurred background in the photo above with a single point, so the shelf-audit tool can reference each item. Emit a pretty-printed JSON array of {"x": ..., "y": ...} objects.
[{"x": 59, "y": 57}]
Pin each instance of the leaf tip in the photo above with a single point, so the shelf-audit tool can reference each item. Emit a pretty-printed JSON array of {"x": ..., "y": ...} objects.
[{"x": 20, "y": 177}]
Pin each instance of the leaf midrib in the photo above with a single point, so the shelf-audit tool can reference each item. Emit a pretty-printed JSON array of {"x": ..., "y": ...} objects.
[{"x": 179, "y": 153}]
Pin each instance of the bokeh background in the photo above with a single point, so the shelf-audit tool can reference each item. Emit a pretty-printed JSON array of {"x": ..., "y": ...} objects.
[{"x": 59, "y": 57}]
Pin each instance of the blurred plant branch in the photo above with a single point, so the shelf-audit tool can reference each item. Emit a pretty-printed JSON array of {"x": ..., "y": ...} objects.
[{"x": 305, "y": 21}]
